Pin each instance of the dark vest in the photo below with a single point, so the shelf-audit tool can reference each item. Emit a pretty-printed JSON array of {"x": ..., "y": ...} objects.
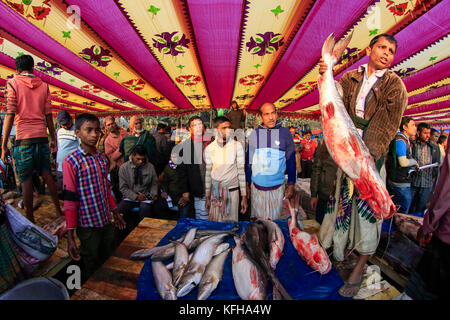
[{"x": 396, "y": 173}]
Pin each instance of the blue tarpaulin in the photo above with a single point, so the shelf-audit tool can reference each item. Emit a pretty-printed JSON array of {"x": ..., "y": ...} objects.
[{"x": 297, "y": 277}]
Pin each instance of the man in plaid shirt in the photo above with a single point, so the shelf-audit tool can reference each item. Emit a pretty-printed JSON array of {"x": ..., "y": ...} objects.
[
  {"x": 88, "y": 201},
  {"x": 423, "y": 181}
]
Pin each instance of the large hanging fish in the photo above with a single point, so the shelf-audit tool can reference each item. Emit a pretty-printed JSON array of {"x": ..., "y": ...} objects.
[{"x": 343, "y": 141}]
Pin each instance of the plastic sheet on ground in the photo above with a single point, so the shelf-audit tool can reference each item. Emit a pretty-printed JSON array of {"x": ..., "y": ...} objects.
[{"x": 297, "y": 277}]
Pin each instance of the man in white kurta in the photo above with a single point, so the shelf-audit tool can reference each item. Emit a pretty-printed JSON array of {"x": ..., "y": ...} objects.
[{"x": 225, "y": 175}]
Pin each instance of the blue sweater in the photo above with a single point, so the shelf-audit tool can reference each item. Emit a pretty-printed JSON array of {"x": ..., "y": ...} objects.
[{"x": 270, "y": 154}]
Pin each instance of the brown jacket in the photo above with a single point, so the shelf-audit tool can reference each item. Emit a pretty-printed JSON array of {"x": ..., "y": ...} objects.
[
  {"x": 323, "y": 173},
  {"x": 384, "y": 107},
  {"x": 236, "y": 118}
]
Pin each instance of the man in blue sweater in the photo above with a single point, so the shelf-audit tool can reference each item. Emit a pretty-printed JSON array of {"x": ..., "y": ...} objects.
[
  {"x": 398, "y": 164},
  {"x": 270, "y": 154}
]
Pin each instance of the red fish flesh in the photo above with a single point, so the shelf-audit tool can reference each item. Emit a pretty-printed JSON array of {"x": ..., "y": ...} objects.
[
  {"x": 343, "y": 141},
  {"x": 308, "y": 247},
  {"x": 249, "y": 279}
]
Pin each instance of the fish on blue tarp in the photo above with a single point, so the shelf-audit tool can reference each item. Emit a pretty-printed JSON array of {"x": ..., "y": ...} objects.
[
  {"x": 197, "y": 265},
  {"x": 249, "y": 278},
  {"x": 212, "y": 276},
  {"x": 298, "y": 278},
  {"x": 256, "y": 239}
]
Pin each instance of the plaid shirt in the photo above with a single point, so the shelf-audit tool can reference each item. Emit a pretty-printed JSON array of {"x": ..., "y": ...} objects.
[
  {"x": 87, "y": 194},
  {"x": 423, "y": 155}
]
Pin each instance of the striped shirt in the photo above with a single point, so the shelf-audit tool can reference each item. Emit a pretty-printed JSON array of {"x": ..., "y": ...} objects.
[
  {"x": 67, "y": 143},
  {"x": 87, "y": 194},
  {"x": 424, "y": 178},
  {"x": 224, "y": 164}
]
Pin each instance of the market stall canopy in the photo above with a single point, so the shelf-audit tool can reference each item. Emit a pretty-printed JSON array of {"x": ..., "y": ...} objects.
[{"x": 126, "y": 57}]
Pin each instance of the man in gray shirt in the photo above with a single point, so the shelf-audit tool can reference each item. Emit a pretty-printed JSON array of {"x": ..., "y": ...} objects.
[{"x": 138, "y": 183}]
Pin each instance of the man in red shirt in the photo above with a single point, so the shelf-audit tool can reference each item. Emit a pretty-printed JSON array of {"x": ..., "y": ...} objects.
[
  {"x": 28, "y": 105},
  {"x": 307, "y": 148}
]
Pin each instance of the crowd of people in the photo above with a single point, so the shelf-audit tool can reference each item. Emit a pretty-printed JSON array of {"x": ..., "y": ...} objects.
[{"x": 111, "y": 178}]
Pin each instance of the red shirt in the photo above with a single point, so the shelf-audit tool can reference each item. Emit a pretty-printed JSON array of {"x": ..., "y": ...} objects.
[
  {"x": 307, "y": 152},
  {"x": 112, "y": 144},
  {"x": 29, "y": 99},
  {"x": 88, "y": 199},
  {"x": 297, "y": 139}
]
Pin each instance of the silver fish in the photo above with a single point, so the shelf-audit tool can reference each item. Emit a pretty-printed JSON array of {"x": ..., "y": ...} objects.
[
  {"x": 196, "y": 242},
  {"x": 164, "y": 254},
  {"x": 220, "y": 248},
  {"x": 232, "y": 231},
  {"x": 190, "y": 236},
  {"x": 180, "y": 262},
  {"x": 249, "y": 279},
  {"x": 197, "y": 265},
  {"x": 163, "y": 281},
  {"x": 276, "y": 240},
  {"x": 166, "y": 251},
  {"x": 169, "y": 252},
  {"x": 143, "y": 254},
  {"x": 212, "y": 276}
]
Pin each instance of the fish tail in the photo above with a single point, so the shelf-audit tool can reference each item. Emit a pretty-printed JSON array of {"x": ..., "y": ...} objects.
[
  {"x": 328, "y": 45},
  {"x": 293, "y": 213},
  {"x": 277, "y": 286},
  {"x": 276, "y": 294},
  {"x": 335, "y": 49}
]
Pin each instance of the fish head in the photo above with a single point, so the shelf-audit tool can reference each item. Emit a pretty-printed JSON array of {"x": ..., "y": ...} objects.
[
  {"x": 374, "y": 192},
  {"x": 186, "y": 285},
  {"x": 324, "y": 267},
  {"x": 188, "y": 281},
  {"x": 206, "y": 288},
  {"x": 381, "y": 203}
]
